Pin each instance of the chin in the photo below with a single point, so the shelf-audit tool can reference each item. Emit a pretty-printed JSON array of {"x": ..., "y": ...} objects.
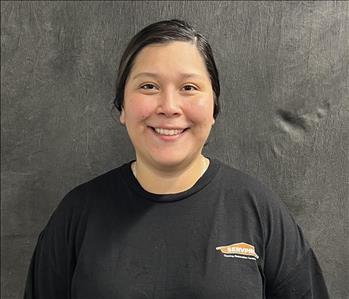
[{"x": 168, "y": 161}]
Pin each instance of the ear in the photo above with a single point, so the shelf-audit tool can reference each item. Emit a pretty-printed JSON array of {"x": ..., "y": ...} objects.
[{"x": 122, "y": 117}]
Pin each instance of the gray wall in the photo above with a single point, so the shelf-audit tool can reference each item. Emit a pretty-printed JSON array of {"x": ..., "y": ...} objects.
[{"x": 284, "y": 77}]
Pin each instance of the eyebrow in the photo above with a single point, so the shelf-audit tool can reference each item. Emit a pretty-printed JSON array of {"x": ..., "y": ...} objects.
[{"x": 154, "y": 75}]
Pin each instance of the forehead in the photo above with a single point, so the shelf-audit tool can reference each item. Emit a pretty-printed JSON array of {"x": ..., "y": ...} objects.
[{"x": 177, "y": 56}]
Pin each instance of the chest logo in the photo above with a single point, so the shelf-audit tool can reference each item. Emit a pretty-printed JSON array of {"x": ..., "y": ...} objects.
[{"x": 239, "y": 250}]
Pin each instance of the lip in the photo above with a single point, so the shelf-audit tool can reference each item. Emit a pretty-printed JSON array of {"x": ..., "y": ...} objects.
[
  {"x": 168, "y": 127},
  {"x": 167, "y": 138}
]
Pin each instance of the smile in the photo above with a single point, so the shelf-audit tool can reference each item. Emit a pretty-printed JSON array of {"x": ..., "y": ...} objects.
[{"x": 168, "y": 132}]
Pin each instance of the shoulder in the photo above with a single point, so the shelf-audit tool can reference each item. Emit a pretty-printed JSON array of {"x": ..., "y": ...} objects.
[
  {"x": 77, "y": 200},
  {"x": 100, "y": 183},
  {"x": 239, "y": 182},
  {"x": 239, "y": 176},
  {"x": 251, "y": 196}
]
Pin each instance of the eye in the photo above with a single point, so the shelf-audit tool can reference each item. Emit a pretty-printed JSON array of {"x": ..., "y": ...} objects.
[
  {"x": 147, "y": 86},
  {"x": 189, "y": 88},
  {"x": 150, "y": 86}
]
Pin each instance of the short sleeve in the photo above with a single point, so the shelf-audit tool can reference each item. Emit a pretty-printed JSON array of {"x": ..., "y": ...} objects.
[
  {"x": 54, "y": 258},
  {"x": 291, "y": 268}
]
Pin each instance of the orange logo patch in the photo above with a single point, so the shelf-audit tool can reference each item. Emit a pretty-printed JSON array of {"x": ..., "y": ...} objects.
[{"x": 238, "y": 249}]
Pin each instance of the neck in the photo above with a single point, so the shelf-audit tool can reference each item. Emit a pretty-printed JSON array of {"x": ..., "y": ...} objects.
[{"x": 166, "y": 181}]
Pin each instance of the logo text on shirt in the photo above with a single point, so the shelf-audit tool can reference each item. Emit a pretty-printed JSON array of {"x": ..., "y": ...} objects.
[{"x": 239, "y": 250}]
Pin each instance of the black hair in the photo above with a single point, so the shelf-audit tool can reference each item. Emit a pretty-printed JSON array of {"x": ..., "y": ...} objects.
[{"x": 163, "y": 32}]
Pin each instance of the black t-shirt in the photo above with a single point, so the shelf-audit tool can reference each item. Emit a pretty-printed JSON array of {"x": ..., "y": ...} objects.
[{"x": 228, "y": 236}]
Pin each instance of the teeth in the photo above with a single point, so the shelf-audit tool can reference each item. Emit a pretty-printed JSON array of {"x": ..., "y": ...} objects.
[{"x": 168, "y": 132}]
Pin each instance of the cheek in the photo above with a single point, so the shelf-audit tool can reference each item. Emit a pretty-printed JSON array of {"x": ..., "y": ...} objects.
[
  {"x": 201, "y": 109},
  {"x": 139, "y": 107}
]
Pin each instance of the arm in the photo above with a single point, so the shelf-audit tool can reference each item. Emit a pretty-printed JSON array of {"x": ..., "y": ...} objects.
[
  {"x": 54, "y": 258},
  {"x": 291, "y": 267}
]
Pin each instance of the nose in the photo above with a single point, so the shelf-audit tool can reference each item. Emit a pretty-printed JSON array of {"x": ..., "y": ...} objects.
[{"x": 169, "y": 103}]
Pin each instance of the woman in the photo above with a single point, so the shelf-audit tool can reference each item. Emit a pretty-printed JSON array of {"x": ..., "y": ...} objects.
[{"x": 172, "y": 223}]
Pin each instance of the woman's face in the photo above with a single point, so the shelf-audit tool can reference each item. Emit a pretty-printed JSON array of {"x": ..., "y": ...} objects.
[{"x": 168, "y": 88}]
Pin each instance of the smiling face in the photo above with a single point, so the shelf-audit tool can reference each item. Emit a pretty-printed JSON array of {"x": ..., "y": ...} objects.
[{"x": 168, "y": 87}]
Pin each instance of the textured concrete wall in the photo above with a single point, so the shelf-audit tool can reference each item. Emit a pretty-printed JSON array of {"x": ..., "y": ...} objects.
[{"x": 285, "y": 107}]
